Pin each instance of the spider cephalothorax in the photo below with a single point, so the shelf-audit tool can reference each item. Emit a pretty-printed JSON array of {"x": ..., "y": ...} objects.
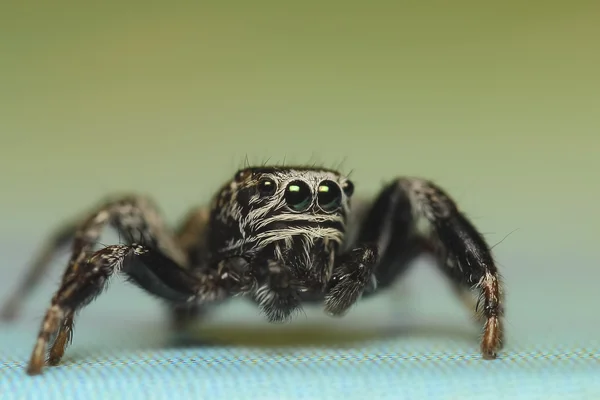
[
  {"x": 278, "y": 235},
  {"x": 291, "y": 219}
]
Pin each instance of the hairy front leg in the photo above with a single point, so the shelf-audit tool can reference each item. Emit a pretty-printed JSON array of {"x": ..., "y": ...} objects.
[
  {"x": 148, "y": 268},
  {"x": 462, "y": 253},
  {"x": 135, "y": 218},
  {"x": 80, "y": 284},
  {"x": 413, "y": 216}
]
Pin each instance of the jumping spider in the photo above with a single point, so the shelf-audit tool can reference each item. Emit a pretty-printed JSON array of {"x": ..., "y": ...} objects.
[{"x": 278, "y": 235}]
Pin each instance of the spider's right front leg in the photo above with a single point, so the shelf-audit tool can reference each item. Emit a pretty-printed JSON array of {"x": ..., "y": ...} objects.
[
  {"x": 133, "y": 216},
  {"x": 150, "y": 269},
  {"x": 158, "y": 265}
]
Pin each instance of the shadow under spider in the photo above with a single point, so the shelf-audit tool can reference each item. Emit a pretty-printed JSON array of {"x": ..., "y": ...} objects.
[
  {"x": 309, "y": 336},
  {"x": 267, "y": 338}
]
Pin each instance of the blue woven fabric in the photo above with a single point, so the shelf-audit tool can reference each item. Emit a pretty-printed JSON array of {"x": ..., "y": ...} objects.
[
  {"x": 392, "y": 369},
  {"x": 122, "y": 349},
  {"x": 388, "y": 370}
]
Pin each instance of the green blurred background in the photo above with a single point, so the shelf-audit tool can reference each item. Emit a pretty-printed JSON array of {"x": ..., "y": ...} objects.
[{"x": 497, "y": 103}]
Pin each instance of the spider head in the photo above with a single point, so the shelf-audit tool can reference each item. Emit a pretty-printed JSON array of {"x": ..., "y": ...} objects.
[{"x": 294, "y": 215}]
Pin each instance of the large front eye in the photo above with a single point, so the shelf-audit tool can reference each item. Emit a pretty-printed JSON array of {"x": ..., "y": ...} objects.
[
  {"x": 298, "y": 196},
  {"x": 329, "y": 196}
]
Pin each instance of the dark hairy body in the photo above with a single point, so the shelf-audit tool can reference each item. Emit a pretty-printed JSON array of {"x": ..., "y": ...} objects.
[{"x": 280, "y": 236}]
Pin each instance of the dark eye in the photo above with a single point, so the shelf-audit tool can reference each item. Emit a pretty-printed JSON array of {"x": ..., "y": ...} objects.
[
  {"x": 329, "y": 196},
  {"x": 266, "y": 186},
  {"x": 298, "y": 196},
  {"x": 348, "y": 188}
]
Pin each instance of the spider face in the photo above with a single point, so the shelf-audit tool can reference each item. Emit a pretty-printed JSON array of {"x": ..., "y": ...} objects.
[{"x": 293, "y": 216}]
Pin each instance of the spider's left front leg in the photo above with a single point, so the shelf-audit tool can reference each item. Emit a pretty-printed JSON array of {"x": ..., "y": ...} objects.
[{"x": 411, "y": 217}]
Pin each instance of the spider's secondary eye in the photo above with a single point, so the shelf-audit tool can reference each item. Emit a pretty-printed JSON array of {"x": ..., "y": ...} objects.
[
  {"x": 266, "y": 186},
  {"x": 348, "y": 188},
  {"x": 329, "y": 196},
  {"x": 298, "y": 196}
]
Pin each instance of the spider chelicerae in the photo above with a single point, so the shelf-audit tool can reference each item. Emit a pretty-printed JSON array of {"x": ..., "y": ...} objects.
[{"x": 279, "y": 235}]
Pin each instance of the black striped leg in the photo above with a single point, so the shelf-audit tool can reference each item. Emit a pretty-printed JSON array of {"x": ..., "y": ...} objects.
[
  {"x": 412, "y": 216},
  {"x": 136, "y": 220},
  {"x": 150, "y": 269}
]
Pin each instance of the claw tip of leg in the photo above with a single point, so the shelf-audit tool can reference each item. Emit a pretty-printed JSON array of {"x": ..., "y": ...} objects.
[
  {"x": 488, "y": 354},
  {"x": 33, "y": 370}
]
